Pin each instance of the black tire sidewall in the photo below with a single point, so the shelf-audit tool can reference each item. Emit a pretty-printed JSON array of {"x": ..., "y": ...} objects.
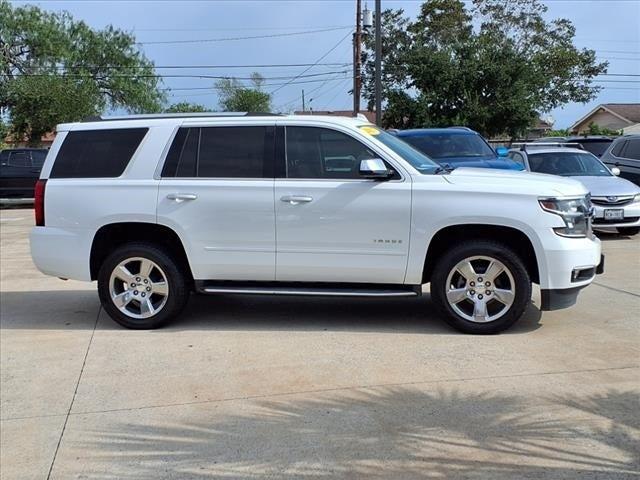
[
  {"x": 176, "y": 279},
  {"x": 490, "y": 249},
  {"x": 629, "y": 231}
]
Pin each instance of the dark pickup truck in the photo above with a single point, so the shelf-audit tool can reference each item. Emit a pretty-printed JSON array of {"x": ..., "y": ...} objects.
[{"x": 19, "y": 170}]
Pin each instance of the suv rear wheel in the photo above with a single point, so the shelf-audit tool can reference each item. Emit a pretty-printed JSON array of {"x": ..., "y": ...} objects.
[
  {"x": 481, "y": 287},
  {"x": 141, "y": 286}
]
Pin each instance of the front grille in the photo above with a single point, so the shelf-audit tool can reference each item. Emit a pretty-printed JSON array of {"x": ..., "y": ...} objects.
[
  {"x": 610, "y": 202},
  {"x": 602, "y": 221}
]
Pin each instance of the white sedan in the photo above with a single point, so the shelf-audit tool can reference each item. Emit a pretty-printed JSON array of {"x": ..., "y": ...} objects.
[{"x": 616, "y": 201}]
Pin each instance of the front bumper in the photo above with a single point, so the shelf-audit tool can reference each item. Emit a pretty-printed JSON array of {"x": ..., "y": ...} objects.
[
  {"x": 631, "y": 216},
  {"x": 557, "y": 299}
]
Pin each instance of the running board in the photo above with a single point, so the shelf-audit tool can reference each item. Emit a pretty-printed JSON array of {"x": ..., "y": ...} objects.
[{"x": 302, "y": 289}]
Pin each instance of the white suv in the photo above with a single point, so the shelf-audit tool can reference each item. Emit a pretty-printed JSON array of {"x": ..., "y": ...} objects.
[{"x": 156, "y": 207}]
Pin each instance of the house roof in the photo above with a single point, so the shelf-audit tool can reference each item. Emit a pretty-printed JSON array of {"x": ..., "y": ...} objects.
[{"x": 628, "y": 112}]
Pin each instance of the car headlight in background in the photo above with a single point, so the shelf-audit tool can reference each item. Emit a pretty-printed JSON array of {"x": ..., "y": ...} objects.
[
  {"x": 636, "y": 198},
  {"x": 575, "y": 212}
]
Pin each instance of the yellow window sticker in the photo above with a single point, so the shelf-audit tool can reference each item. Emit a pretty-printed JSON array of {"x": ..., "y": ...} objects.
[{"x": 370, "y": 130}]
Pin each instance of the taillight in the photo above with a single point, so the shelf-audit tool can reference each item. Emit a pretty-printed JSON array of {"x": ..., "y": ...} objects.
[{"x": 39, "y": 202}]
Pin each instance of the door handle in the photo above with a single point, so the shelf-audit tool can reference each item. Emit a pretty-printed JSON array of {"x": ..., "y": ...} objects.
[
  {"x": 296, "y": 199},
  {"x": 181, "y": 197}
]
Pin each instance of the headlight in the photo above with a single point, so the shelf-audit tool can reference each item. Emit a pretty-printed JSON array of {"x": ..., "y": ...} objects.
[
  {"x": 575, "y": 212},
  {"x": 637, "y": 198}
]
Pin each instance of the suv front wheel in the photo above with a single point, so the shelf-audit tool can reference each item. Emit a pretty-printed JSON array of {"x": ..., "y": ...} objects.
[
  {"x": 481, "y": 287},
  {"x": 141, "y": 286}
]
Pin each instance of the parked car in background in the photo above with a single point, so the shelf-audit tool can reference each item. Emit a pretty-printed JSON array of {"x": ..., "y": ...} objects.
[
  {"x": 457, "y": 147},
  {"x": 596, "y": 144},
  {"x": 154, "y": 207},
  {"x": 19, "y": 171},
  {"x": 624, "y": 153},
  {"x": 616, "y": 201}
]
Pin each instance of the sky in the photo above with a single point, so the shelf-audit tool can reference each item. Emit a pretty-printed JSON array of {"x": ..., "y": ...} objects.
[{"x": 610, "y": 27}]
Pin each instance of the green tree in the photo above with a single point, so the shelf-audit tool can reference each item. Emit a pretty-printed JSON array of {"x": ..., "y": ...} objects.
[
  {"x": 595, "y": 129},
  {"x": 491, "y": 66},
  {"x": 55, "y": 69},
  {"x": 185, "y": 107},
  {"x": 234, "y": 96}
]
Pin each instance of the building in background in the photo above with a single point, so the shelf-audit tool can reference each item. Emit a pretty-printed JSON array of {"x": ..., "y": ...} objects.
[{"x": 613, "y": 116}]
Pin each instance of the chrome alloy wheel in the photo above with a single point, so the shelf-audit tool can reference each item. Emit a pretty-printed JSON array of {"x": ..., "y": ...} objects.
[
  {"x": 138, "y": 287},
  {"x": 480, "y": 289}
]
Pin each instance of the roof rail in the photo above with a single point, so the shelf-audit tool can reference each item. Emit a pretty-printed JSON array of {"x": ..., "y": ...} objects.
[
  {"x": 462, "y": 128},
  {"x": 155, "y": 116},
  {"x": 523, "y": 145}
]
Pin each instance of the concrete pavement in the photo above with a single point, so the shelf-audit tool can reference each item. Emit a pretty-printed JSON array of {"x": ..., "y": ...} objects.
[{"x": 257, "y": 387}]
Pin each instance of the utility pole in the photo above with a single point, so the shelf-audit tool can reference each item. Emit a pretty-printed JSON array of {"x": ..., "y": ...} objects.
[
  {"x": 303, "y": 101},
  {"x": 378, "y": 63},
  {"x": 357, "y": 43}
]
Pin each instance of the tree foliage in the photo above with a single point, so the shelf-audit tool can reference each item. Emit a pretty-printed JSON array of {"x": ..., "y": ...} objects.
[
  {"x": 492, "y": 66},
  {"x": 234, "y": 96},
  {"x": 55, "y": 69},
  {"x": 595, "y": 129},
  {"x": 185, "y": 107}
]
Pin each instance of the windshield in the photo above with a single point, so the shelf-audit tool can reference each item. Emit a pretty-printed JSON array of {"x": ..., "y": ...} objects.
[
  {"x": 417, "y": 159},
  {"x": 451, "y": 145},
  {"x": 568, "y": 164}
]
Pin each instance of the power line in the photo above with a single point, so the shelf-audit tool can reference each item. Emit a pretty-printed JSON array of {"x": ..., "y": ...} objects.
[
  {"x": 232, "y": 39},
  {"x": 215, "y": 77},
  {"x": 265, "y": 65},
  {"x": 264, "y": 85},
  {"x": 234, "y": 29},
  {"x": 316, "y": 62}
]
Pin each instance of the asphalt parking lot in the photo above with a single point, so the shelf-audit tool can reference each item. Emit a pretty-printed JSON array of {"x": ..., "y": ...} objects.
[{"x": 257, "y": 387}]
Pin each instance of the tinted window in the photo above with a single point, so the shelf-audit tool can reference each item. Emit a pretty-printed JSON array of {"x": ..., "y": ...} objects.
[
  {"x": 617, "y": 149},
  {"x": 19, "y": 159},
  {"x": 97, "y": 153},
  {"x": 38, "y": 157},
  {"x": 632, "y": 150},
  {"x": 568, "y": 164},
  {"x": 597, "y": 147},
  {"x": 323, "y": 153},
  {"x": 183, "y": 154},
  {"x": 449, "y": 145},
  {"x": 516, "y": 157},
  {"x": 235, "y": 152}
]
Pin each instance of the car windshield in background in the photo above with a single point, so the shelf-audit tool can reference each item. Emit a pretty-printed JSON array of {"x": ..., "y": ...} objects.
[
  {"x": 451, "y": 145},
  {"x": 568, "y": 164},
  {"x": 416, "y": 158}
]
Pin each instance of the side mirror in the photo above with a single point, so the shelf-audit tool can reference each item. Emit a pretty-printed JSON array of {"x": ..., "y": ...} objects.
[
  {"x": 374, "y": 168},
  {"x": 502, "y": 151},
  {"x": 615, "y": 171}
]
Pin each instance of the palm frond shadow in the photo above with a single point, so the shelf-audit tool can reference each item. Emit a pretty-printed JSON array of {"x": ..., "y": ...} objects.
[{"x": 414, "y": 434}]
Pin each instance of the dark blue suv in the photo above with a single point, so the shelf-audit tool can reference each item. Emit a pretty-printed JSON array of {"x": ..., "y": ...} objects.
[{"x": 457, "y": 147}]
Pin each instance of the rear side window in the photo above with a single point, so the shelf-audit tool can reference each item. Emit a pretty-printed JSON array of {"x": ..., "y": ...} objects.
[
  {"x": 221, "y": 152},
  {"x": 19, "y": 159},
  {"x": 97, "y": 153},
  {"x": 632, "y": 149},
  {"x": 617, "y": 149}
]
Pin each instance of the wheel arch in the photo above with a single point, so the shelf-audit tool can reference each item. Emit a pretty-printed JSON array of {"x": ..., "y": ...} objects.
[
  {"x": 513, "y": 237},
  {"x": 111, "y": 236}
]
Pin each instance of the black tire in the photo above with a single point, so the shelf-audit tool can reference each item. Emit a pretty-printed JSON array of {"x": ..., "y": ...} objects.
[
  {"x": 176, "y": 279},
  {"x": 485, "y": 248},
  {"x": 629, "y": 231}
]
